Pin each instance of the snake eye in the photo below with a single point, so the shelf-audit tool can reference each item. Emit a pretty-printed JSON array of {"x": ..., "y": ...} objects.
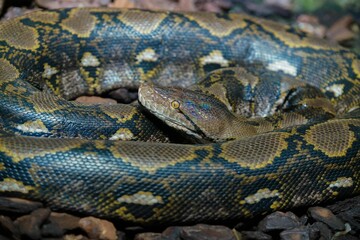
[{"x": 175, "y": 104}]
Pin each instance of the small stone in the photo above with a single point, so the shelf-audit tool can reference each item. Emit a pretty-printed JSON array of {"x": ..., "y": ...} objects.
[
  {"x": 95, "y": 100},
  {"x": 29, "y": 225},
  {"x": 2, "y": 237},
  {"x": 324, "y": 230},
  {"x": 18, "y": 205},
  {"x": 52, "y": 230},
  {"x": 254, "y": 235},
  {"x": 98, "y": 229},
  {"x": 304, "y": 219},
  {"x": 326, "y": 216},
  {"x": 59, "y": 223},
  {"x": 346, "y": 237},
  {"x": 206, "y": 232},
  {"x": 279, "y": 221},
  {"x": 148, "y": 236},
  {"x": 299, "y": 233},
  {"x": 121, "y": 235},
  {"x": 74, "y": 237},
  {"x": 314, "y": 232},
  {"x": 348, "y": 211},
  {"x": 7, "y": 227},
  {"x": 172, "y": 233}
]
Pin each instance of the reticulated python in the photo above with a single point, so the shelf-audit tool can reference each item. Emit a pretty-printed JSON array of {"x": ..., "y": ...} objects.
[{"x": 90, "y": 51}]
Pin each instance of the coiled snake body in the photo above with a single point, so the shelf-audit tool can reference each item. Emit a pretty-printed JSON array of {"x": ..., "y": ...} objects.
[{"x": 90, "y": 51}]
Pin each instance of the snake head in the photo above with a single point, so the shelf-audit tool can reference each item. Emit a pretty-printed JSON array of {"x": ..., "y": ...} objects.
[{"x": 192, "y": 112}]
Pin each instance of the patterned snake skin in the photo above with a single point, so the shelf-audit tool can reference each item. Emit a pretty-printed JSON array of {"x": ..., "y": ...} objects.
[{"x": 91, "y": 51}]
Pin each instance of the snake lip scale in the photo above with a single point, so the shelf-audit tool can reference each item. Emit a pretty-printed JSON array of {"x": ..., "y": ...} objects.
[{"x": 105, "y": 160}]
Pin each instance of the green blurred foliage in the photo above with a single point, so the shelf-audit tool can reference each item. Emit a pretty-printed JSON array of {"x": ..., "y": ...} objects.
[{"x": 310, "y": 6}]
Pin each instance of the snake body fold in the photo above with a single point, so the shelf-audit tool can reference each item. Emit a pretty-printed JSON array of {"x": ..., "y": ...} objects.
[{"x": 90, "y": 51}]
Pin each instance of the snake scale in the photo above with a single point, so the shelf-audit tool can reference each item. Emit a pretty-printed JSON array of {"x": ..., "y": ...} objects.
[{"x": 71, "y": 157}]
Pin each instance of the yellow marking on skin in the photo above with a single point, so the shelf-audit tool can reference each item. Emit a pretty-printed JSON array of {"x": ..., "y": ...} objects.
[
  {"x": 356, "y": 67},
  {"x": 44, "y": 17},
  {"x": 148, "y": 55},
  {"x": 80, "y": 22},
  {"x": 125, "y": 215},
  {"x": 92, "y": 83},
  {"x": 284, "y": 66},
  {"x": 12, "y": 185},
  {"x": 89, "y": 60},
  {"x": 141, "y": 198},
  {"x": 36, "y": 126},
  {"x": 8, "y": 72},
  {"x": 260, "y": 195},
  {"x": 19, "y": 36},
  {"x": 49, "y": 71},
  {"x": 209, "y": 156},
  {"x": 257, "y": 151},
  {"x": 337, "y": 89},
  {"x": 275, "y": 205},
  {"x": 44, "y": 102},
  {"x": 2, "y": 166},
  {"x": 152, "y": 157},
  {"x": 217, "y": 26},
  {"x": 215, "y": 57},
  {"x": 30, "y": 148},
  {"x": 148, "y": 75},
  {"x": 135, "y": 19},
  {"x": 108, "y": 19},
  {"x": 342, "y": 182},
  {"x": 122, "y": 134},
  {"x": 120, "y": 112},
  {"x": 55, "y": 88},
  {"x": 333, "y": 138}
]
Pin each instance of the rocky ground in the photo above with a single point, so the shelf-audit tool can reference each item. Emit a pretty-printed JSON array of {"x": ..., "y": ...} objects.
[{"x": 21, "y": 219}]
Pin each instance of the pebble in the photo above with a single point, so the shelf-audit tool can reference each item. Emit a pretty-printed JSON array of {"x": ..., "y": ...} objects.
[
  {"x": 255, "y": 235},
  {"x": 29, "y": 225},
  {"x": 149, "y": 236},
  {"x": 172, "y": 233},
  {"x": 349, "y": 211},
  {"x": 196, "y": 232},
  {"x": 326, "y": 216},
  {"x": 17, "y": 205},
  {"x": 298, "y": 233},
  {"x": 207, "y": 232},
  {"x": 279, "y": 221},
  {"x": 98, "y": 229},
  {"x": 323, "y": 229},
  {"x": 59, "y": 223},
  {"x": 7, "y": 227}
]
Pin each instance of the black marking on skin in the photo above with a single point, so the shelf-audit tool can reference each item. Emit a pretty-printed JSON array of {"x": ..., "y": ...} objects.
[{"x": 196, "y": 127}]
